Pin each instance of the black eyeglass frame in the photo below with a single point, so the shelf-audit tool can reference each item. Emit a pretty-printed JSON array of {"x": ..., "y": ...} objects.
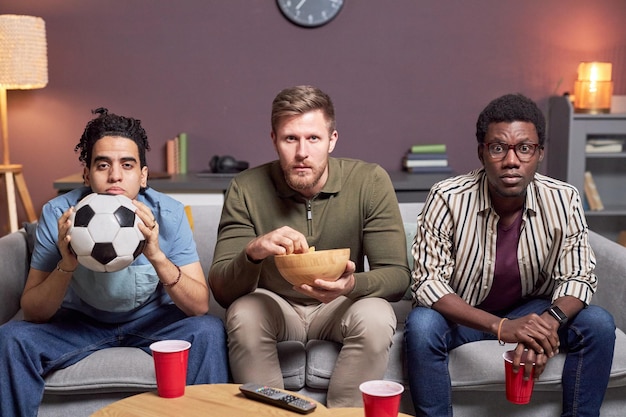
[{"x": 506, "y": 147}]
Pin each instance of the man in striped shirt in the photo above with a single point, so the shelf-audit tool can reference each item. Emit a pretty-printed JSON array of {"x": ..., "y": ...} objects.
[{"x": 503, "y": 253}]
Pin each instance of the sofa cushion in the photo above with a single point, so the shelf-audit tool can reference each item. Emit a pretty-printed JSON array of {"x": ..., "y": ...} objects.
[
  {"x": 409, "y": 233},
  {"x": 611, "y": 272},
  {"x": 118, "y": 369},
  {"x": 13, "y": 272},
  {"x": 292, "y": 357},
  {"x": 321, "y": 356},
  {"x": 618, "y": 368},
  {"x": 396, "y": 370},
  {"x": 30, "y": 228},
  {"x": 479, "y": 365}
]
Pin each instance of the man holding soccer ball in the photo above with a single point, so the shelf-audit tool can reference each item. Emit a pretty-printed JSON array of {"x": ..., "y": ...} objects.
[{"x": 71, "y": 311}]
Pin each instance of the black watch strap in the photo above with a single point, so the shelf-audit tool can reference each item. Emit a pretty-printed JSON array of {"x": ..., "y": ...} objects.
[{"x": 558, "y": 314}]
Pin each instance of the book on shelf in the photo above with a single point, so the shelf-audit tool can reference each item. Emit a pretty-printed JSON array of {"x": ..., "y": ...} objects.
[
  {"x": 410, "y": 163},
  {"x": 428, "y": 170},
  {"x": 425, "y": 156},
  {"x": 604, "y": 146},
  {"x": 176, "y": 151},
  {"x": 591, "y": 193},
  {"x": 428, "y": 148},
  {"x": 182, "y": 153},
  {"x": 158, "y": 175},
  {"x": 170, "y": 156}
]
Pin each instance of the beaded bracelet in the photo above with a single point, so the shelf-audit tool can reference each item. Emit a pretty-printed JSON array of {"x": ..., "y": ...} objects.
[
  {"x": 171, "y": 284},
  {"x": 500, "y": 342}
]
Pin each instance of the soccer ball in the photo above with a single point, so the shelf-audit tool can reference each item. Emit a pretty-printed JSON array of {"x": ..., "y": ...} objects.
[{"x": 104, "y": 231}]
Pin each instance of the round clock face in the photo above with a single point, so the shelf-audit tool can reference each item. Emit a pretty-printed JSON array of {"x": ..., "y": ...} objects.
[{"x": 310, "y": 13}]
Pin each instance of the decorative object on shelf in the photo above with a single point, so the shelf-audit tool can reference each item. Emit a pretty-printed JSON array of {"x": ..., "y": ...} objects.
[
  {"x": 593, "y": 88},
  {"x": 591, "y": 193},
  {"x": 311, "y": 13},
  {"x": 23, "y": 66},
  {"x": 426, "y": 158},
  {"x": 176, "y": 153},
  {"x": 227, "y": 165}
]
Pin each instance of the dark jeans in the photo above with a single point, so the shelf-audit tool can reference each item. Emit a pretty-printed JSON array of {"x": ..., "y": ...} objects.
[
  {"x": 588, "y": 340},
  {"x": 29, "y": 351}
]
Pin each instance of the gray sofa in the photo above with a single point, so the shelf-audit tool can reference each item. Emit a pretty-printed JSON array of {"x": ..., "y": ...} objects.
[{"x": 477, "y": 389}]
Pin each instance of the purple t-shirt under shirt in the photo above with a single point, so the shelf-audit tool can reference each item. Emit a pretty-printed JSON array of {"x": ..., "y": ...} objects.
[{"x": 506, "y": 289}]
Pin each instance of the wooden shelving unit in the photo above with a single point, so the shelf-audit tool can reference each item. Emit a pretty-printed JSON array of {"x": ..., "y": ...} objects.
[{"x": 567, "y": 159}]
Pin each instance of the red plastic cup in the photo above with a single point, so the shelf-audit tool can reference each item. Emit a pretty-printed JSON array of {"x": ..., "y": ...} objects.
[
  {"x": 381, "y": 398},
  {"x": 518, "y": 391},
  {"x": 170, "y": 366}
]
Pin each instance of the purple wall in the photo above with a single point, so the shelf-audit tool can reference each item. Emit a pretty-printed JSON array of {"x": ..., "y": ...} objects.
[{"x": 400, "y": 72}]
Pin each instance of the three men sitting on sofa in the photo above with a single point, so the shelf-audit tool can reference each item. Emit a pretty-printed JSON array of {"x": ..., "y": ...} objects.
[{"x": 500, "y": 253}]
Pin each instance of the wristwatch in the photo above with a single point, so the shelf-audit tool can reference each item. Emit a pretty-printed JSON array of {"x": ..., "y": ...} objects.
[{"x": 558, "y": 314}]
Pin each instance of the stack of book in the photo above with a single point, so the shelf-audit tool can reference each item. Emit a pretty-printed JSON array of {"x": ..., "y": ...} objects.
[
  {"x": 426, "y": 158},
  {"x": 604, "y": 145},
  {"x": 176, "y": 154}
]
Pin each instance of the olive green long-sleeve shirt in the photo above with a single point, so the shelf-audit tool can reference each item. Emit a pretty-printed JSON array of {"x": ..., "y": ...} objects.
[{"x": 356, "y": 209}]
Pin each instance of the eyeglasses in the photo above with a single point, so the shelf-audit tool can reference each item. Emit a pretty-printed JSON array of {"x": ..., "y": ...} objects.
[{"x": 524, "y": 151}]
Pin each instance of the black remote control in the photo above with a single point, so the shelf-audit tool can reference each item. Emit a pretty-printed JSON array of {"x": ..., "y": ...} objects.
[{"x": 277, "y": 398}]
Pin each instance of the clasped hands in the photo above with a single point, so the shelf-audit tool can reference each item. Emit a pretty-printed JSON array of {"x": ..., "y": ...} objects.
[
  {"x": 536, "y": 335},
  {"x": 285, "y": 241}
]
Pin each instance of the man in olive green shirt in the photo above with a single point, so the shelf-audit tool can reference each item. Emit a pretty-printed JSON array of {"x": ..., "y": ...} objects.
[{"x": 303, "y": 199}]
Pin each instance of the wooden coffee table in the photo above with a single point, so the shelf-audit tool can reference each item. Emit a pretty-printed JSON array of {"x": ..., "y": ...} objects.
[{"x": 209, "y": 400}]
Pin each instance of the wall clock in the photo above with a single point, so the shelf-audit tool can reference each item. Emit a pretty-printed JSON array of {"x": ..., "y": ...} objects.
[{"x": 310, "y": 13}]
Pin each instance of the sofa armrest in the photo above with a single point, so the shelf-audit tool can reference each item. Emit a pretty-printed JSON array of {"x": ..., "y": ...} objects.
[
  {"x": 14, "y": 264},
  {"x": 611, "y": 272}
]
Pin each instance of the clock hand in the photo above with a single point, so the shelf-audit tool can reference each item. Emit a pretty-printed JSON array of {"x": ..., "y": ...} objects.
[{"x": 300, "y": 4}]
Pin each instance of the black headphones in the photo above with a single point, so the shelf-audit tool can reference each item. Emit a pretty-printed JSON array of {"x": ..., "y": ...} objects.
[{"x": 227, "y": 164}]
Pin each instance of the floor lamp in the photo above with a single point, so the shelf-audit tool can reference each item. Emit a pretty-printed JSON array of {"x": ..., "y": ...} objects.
[{"x": 23, "y": 66}]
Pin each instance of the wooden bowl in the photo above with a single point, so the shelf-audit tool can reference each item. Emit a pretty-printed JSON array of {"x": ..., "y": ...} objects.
[{"x": 304, "y": 268}]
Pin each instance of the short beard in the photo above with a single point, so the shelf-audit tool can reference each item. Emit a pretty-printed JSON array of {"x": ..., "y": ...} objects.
[
  {"x": 300, "y": 183},
  {"x": 303, "y": 183}
]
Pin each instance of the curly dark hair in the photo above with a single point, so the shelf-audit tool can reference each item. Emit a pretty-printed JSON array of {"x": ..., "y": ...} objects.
[
  {"x": 109, "y": 124},
  {"x": 511, "y": 108}
]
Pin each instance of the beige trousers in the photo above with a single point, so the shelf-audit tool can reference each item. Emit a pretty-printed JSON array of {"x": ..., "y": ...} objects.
[{"x": 365, "y": 327}]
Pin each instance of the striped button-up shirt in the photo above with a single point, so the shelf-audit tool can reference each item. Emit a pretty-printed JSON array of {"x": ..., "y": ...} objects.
[{"x": 455, "y": 245}]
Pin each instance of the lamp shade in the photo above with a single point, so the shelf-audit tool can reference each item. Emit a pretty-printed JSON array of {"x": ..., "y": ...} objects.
[
  {"x": 594, "y": 71},
  {"x": 23, "y": 52},
  {"x": 593, "y": 88}
]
